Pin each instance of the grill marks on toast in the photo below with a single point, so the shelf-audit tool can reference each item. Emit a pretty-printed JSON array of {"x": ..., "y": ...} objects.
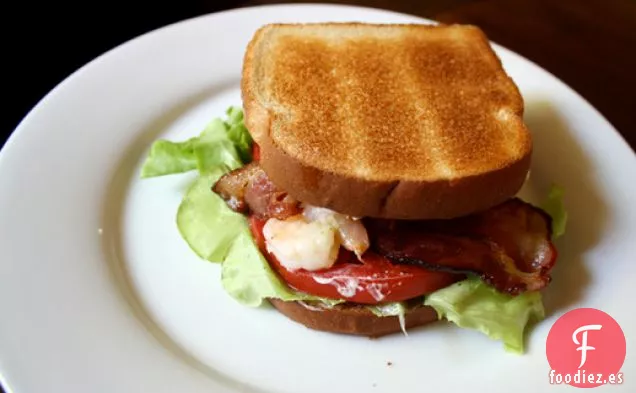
[
  {"x": 420, "y": 106},
  {"x": 467, "y": 98},
  {"x": 364, "y": 107},
  {"x": 299, "y": 81},
  {"x": 375, "y": 86}
]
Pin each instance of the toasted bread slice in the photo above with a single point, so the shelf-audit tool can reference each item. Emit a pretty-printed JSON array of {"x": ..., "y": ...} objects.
[
  {"x": 393, "y": 121},
  {"x": 353, "y": 319}
]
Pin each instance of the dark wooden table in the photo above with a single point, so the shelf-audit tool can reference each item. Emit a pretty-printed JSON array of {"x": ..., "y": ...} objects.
[{"x": 589, "y": 44}]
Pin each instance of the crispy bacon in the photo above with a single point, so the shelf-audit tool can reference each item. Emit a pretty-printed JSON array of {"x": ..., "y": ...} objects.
[
  {"x": 248, "y": 189},
  {"x": 508, "y": 246}
]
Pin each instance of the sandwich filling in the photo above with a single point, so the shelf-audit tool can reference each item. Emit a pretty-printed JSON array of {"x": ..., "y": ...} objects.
[
  {"x": 482, "y": 272},
  {"x": 369, "y": 261}
]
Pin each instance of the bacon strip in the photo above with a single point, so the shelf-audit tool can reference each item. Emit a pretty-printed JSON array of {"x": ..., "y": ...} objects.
[
  {"x": 248, "y": 189},
  {"x": 508, "y": 246}
]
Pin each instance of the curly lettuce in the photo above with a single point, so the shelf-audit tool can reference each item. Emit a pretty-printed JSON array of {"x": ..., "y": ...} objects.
[
  {"x": 472, "y": 304},
  {"x": 554, "y": 206},
  {"x": 222, "y": 146}
]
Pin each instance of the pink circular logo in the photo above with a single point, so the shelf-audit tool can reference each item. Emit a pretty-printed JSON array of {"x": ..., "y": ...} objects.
[{"x": 585, "y": 348}]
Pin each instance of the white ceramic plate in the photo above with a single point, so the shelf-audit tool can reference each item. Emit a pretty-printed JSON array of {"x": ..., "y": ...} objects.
[{"x": 99, "y": 293}]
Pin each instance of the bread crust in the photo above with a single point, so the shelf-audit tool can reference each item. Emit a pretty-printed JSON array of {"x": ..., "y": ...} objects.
[
  {"x": 352, "y": 319},
  {"x": 433, "y": 196}
]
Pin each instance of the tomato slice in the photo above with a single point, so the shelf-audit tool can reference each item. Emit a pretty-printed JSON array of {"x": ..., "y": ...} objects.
[
  {"x": 370, "y": 281},
  {"x": 256, "y": 152}
]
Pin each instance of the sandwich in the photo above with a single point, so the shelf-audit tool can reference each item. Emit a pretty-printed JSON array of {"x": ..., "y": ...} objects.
[{"x": 369, "y": 183}]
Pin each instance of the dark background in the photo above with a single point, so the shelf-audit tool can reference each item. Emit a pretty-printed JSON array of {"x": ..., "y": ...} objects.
[{"x": 589, "y": 44}]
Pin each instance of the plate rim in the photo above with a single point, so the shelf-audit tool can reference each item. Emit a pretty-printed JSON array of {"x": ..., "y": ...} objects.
[{"x": 24, "y": 123}]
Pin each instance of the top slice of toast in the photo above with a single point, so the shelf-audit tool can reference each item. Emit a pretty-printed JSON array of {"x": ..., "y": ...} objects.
[{"x": 385, "y": 104}]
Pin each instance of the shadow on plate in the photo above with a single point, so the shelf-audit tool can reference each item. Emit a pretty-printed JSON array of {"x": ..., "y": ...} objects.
[
  {"x": 559, "y": 159},
  {"x": 112, "y": 224}
]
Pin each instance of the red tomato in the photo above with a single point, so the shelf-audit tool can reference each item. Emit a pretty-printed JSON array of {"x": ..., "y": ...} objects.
[
  {"x": 256, "y": 152},
  {"x": 372, "y": 281}
]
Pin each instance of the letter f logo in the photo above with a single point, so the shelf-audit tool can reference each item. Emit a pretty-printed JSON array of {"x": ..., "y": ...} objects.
[{"x": 584, "y": 347}]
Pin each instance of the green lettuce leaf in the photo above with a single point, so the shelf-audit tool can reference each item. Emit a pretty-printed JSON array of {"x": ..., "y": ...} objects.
[
  {"x": 473, "y": 304},
  {"x": 555, "y": 207},
  {"x": 222, "y": 145},
  {"x": 388, "y": 309},
  {"x": 238, "y": 134},
  {"x": 204, "y": 220},
  {"x": 395, "y": 309},
  {"x": 168, "y": 157}
]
